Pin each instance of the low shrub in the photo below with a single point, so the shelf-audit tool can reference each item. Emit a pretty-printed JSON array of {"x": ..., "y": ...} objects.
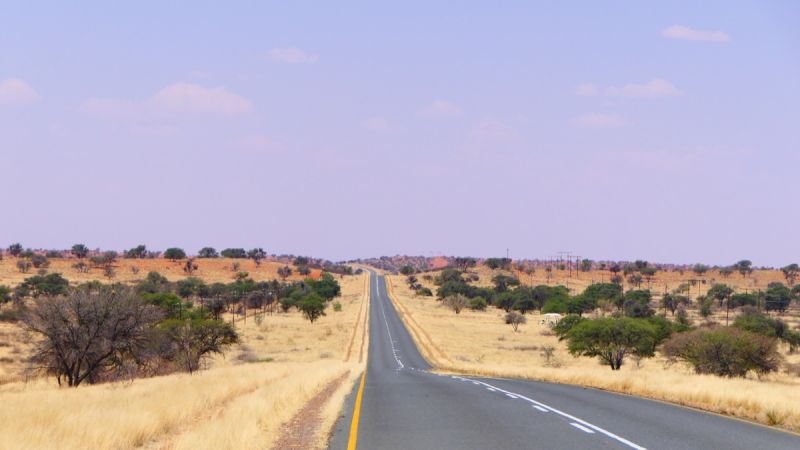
[{"x": 724, "y": 351}]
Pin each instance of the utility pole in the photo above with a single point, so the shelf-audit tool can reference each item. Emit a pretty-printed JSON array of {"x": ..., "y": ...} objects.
[{"x": 568, "y": 256}]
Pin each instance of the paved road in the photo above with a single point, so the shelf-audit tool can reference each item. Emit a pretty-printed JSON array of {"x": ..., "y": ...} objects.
[{"x": 406, "y": 407}]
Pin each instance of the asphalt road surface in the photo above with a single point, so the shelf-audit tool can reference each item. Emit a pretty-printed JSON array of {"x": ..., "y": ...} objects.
[{"x": 403, "y": 406}]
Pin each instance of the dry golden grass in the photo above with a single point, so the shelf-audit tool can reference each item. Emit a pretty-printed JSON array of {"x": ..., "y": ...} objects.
[
  {"x": 14, "y": 348},
  {"x": 132, "y": 270},
  {"x": 241, "y": 401},
  {"x": 481, "y": 343},
  {"x": 231, "y": 407}
]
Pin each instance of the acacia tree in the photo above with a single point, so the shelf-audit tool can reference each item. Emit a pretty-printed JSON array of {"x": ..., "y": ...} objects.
[
  {"x": 138, "y": 252},
  {"x": 408, "y": 270},
  {"x": 312, "y": 306},
  {"x": 79, "y": 251},
  {"x": 498, "y": 263},
  {"x": 235, "y": 253},
  {"x": 284, "y": 272},
  {"x": 777, "y": 297},
  {"x": 699, "y": 269},
  {"x": 88, "y": 332},
  {"x": 174, "y": 254},
  {"x": 15, "y": 249},
  {"x": 463, "y": 263},
  {"x": 673, "y": 302},
  {"x": 722, "y": 293},
  {"x": 790, "y": 272},
  {"x": 257, "y": 254},
  {"x": 208, "y": 252},
  {"x": 195, "y": 340},
  {"x": 725, "y": 272},
  {"x": 744, "y": 267},
  {"x": 611, "y": 339}
]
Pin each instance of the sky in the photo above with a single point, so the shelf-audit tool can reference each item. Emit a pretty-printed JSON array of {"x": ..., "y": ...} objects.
[{"x": 620, "y": 130}]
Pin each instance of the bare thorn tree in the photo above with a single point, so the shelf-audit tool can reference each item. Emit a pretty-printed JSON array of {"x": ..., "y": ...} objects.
[{"x": 85, "y": 334}]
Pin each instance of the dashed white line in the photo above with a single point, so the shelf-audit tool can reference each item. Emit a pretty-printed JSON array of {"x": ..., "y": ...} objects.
[
  {"x": 584, "y": 425},
  {"x": 581, "y": 427},
  {"x": 540, "y": 408},
  {"x": 510, "y": 395},
  {"x": 391, "y": 341}
]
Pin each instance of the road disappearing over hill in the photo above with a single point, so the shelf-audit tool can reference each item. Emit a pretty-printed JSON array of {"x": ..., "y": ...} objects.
[{"x": 404, "y": 406}]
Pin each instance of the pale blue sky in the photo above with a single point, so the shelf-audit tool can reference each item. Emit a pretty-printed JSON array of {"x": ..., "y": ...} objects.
[{"x": 617, "y": 130}]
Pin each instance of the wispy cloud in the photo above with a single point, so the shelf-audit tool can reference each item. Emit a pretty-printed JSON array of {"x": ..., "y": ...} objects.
[
  {"x": 600, "y": 121},
  {"x": 493, "y": 130},
  {"x": 376, "y": 124},
  {"x": 690, "y": 34},
  {"x": 587, "y": 90},
  {"x": 14, "y": 91},
  {"x": 440, "y": 109},
  {"x": 177, "y": 99},
  {"x": 291, "y": 55},
  {"x": 195, "y": 99},
  {"x": 654, "y": 88}
]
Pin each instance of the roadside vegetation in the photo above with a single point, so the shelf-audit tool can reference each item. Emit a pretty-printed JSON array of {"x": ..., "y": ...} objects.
[
  {"x": 722, "y": 339},
  {"x": 194, "y": 353}
]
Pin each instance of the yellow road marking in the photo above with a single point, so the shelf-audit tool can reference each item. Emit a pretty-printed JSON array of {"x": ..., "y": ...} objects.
[{"x": 351, "y": 443}]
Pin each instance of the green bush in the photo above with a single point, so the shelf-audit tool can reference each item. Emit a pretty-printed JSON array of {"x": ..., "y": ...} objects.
[
  {"x": 425, "y": 292},
  {"x": 312, "y": 306},
  {"x": 43, "y": 285},
  {"x": 724, "y": 351},
  {"x": 611, "y": 339},
  {"x": 174, "y": 253},
  {"x": 239, "y": 253},
  {"x": 565, "y": 324},
  {"x": 637, "y": 303},
  {"x": 555, "y": 305},
  {"x": 477, "y": 304}
]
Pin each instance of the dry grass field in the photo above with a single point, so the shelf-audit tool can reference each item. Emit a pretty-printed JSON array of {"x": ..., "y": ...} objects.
[
  {"x": 243, "y": 400},
  {"x": 481, "y": 343}
]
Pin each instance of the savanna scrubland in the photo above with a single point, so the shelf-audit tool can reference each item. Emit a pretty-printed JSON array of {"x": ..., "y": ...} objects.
[
  {"x": 480, "y": 342},
  {"x": 248, "y": 397}
]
